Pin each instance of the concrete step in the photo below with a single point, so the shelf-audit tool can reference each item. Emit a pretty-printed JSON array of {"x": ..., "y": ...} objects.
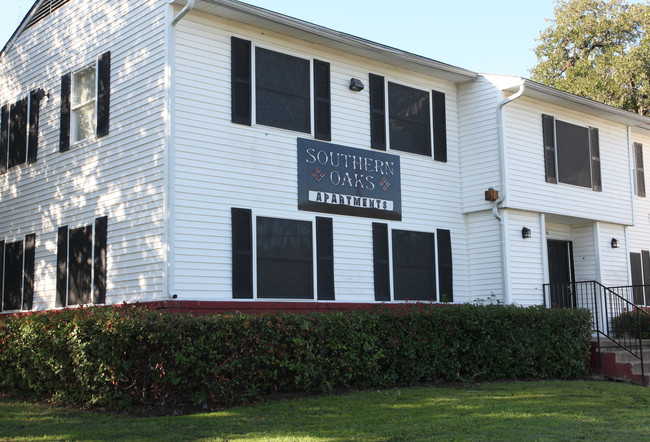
[{"x": 617, "y": 363}]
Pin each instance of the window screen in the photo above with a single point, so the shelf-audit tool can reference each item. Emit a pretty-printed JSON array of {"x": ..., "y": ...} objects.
[
  {"x": 414, "y": 262},
  {"x": 409, "y": 119},
  {"x": 284, "y": 259},
  {"x": 573, "y": 155},
  {"x": 282, "y": 90}
]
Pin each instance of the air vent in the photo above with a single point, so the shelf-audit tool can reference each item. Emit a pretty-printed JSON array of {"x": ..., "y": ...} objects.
[{"x": 46, "y": 8}]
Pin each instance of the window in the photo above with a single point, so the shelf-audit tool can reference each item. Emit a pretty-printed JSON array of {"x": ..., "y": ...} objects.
[
  {"x": 81, "y": 264},
  {"x": 571, "y": 153},
  {"x": 19, "y": 131},
  {"x": 415, "y": 118},
  {"x": 17, "y": 273},
  {"x": 85, "y": 103},
  {"x": 638, "y": 164},
  {"x": 283, "y": 90},
  {"x": 640, "y": 273},
  {"x": 413, "y": 259},
  {"x": 286, "y": 261}
]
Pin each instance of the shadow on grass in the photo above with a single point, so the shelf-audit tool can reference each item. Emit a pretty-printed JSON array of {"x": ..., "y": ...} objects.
[{"x": 511, "y": 410}]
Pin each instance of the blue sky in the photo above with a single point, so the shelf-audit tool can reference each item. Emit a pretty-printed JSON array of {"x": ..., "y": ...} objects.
[{"x": 487, "y": 37}]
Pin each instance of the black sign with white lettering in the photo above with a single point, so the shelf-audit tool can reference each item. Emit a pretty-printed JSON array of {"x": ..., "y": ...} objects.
[{"x": 348, "y": 181}]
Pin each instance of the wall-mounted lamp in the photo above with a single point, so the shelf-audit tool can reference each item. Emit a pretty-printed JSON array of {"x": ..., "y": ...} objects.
[
  {"x": 356, "y": 85},
  {"x": 40, "y": 94},
  {"x": 525, "y": 232},
  {"x": 614, "y": 243}
]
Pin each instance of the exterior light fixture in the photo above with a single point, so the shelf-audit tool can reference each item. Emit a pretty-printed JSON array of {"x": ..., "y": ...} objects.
[
  {"x": 525, "y": 232},
  {"x": 356, "y": 85},
  {"x": 614, "y": 243}
]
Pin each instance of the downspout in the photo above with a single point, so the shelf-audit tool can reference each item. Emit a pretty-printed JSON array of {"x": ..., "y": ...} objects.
[
  {"x": 495, "y": 205},
  {"x": 170, "y": 157},
  {"x": 188, "y": 7}
]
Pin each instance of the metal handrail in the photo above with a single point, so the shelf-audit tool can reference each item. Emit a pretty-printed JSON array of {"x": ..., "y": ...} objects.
[{"x": 609, "y": 308}]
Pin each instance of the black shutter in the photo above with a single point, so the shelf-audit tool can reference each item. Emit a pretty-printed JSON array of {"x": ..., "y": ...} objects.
[
  {"x": 18, "y": 133},
  {"x": 325, "y": 258},
  {"x": 595, "y": 159},
  {"x": 80, "y": 265},
  {"x": 64, "y": 139},
  {"x": 61, "y": 266},
  {"x": 240, "y": 67},
  {"x": 637, "y": 277},
  {"x": 28, "y": 271},
  {"x": 548, "y": 126},
  {"x": 445, "y": 267},
  {"x": 645, "y": 259},
  {"x": 322, "y": 101},
  {"x": 34, "y": 107},
  {"x": 380, "y": 261},
  {"x": 377, "y": 112},
  {"x": 4, "y": 137},
  {"x": 242, "y": 254},
  {"x": 99, "y": 280},
  {"x": 640, "y": 174},
  {"x": 103, "y": 93},
  {"x": 2, "y": 273},
  {"x": 439, "y": 127}
]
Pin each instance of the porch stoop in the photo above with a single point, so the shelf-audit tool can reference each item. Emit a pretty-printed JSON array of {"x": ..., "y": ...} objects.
[{"x": 619, "y": 364}]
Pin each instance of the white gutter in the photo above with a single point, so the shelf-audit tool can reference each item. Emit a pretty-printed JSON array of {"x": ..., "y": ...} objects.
[
  {"x": 188, "y": 7},
  {"x": 495, "y": 207},
  {"x": 170, "y": 151}
]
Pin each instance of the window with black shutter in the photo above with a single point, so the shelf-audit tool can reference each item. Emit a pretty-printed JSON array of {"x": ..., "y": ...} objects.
[
  {"x": 17, "y": 273},
  {"x": 412, "y": 257},
  {"x": 414, "y": 119},
  {"x": 85, "y": 102},
  {"x": 282, "y": 89},
  {"x": 571, "y": 153},
  {"x": 285, "y": 256},
  {"x": 81, "y": 264},
  {"x": 638, "y": 165},
  {"x": 19, "y": 131}
]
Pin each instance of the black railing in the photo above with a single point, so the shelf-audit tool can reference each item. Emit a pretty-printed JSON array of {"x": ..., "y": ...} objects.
[{"x": 614, "y": 315}]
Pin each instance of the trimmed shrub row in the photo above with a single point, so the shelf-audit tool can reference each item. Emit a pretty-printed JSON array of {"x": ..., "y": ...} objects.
[
  {"x": 628, "y": 325},
  {"x": 118, "y": 357}
]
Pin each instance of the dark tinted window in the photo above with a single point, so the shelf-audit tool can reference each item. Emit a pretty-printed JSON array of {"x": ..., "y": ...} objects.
[
  {"x": 573, "y": 156},
  {"x": 80, "y": 265},
  {"x": 414, "y": 273},
  {"x": 282, "y": 90},
  {"x": 284, "y": 259},
  {"x": 409, "y": 119},
  {"x": 13, "y": 276}
]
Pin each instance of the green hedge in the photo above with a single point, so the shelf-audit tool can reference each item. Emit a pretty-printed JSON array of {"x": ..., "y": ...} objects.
[
  {"x": 117, "y": 357},
  {"x": 628, "y": 324}
]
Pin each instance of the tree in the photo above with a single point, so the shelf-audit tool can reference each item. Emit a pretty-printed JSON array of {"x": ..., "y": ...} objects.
[{"x": 599, "y": 49}]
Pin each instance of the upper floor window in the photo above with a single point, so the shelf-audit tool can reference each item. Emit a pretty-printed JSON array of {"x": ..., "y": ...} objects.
[
  {"x": 282, "y": 90},
  {"x": 415, "y": 117},
  {"x": 17, "y": 273},
  {"x": 19, "y": 131},
  {"x": 638, "y": 166},
  {"x": 85, "y": 102},
  {"x": 571, "y": 153}
]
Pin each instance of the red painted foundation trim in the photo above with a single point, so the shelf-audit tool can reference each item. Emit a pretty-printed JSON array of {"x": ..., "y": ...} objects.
[{"x": 605, "y": 365}]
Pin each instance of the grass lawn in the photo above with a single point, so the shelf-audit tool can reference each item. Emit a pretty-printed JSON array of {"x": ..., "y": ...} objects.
[{"x": 566, "y": 410}]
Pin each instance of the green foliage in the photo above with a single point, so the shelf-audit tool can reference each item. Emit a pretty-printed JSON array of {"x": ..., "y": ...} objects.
[
  {"x": 599, "y": 49},
  {"x": 628, "y": 324},
  {"x": 117, "y": 357}
]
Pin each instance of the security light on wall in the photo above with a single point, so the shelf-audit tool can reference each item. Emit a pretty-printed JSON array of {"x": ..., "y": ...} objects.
[
  {"x": 356, "y": 85},
  {"x": 525, "y": 232},
  {"x": 614, "y": 243}
]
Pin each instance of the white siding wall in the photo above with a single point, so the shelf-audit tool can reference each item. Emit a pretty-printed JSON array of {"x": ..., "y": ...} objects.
[
  {"x": 485, "y": 266},
  {"x": 613, "y": 262},
  {"x": 526, "y": 267},
  {"x": 527, "y": 188},
  {"x": 585, "y": 255},
  {"x": 479, "y": 146},
  {"x": 639, "y": 234},
  {"x": 219, "y": 165},
  {"x": 119, "y": 175}
]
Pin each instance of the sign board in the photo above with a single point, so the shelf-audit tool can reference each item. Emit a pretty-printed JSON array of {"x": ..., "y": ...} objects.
[{"x": 348, "y": 181}]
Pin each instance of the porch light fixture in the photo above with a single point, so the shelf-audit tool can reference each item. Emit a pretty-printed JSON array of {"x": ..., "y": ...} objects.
[
  {"x": 356, "y": 85},
  {"x": 525, "y": 232},
  {"x": 614, "y": 243}
]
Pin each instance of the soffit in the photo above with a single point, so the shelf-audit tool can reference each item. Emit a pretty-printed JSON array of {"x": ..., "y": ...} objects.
[{"x": 302, "y": 30}]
